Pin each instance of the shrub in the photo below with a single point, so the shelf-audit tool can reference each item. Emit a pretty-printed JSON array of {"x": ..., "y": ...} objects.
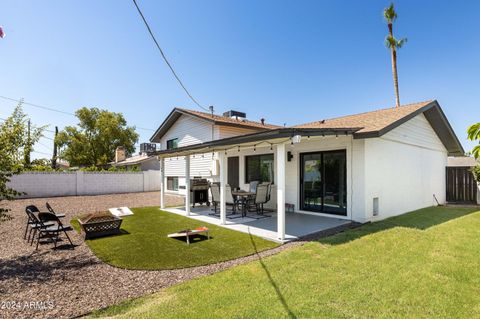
[{"x": 476, "y": 172}]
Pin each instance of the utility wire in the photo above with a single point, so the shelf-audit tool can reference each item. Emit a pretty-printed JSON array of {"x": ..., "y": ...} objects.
[
  {"x": 36, "y": 105},
  {"x": 48, "y": 138},
  {"x": 166, "y": 60},
  {"x": 46, "y": 146},
  {"x": 43, "y": 153},
  {"x": 54, "y": 110}
]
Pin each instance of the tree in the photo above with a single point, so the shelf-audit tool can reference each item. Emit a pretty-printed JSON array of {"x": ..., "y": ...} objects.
[
  {"x": 94, "y": 141},
  {"x": 393, "y": 44},
  {"x": 474, "y": 135},
  {"x": 15, "y": 141}
]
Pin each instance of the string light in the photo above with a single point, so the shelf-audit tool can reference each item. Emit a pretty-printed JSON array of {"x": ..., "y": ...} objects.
[
  {"x": 239, "y": 148},
  {"x": 271, "y": 146},
  {"x": 255, "y": 147},
  {"x": 225, "y": 152}
]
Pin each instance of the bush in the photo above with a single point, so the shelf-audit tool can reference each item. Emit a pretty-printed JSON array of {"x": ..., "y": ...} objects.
[{"x": 476, "y": 172}]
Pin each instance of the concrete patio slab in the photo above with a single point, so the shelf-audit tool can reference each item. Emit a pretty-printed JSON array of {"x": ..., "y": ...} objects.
[{"x": 297, "y": 225}]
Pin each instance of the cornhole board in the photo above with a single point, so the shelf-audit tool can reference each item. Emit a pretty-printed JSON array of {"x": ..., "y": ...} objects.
[
  {"x": 120, "y": 211},
  {"x": 190, "y": 232}
]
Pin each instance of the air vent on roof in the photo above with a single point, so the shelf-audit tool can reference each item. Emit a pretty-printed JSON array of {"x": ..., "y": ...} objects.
[{"x": 235, "y": 114}]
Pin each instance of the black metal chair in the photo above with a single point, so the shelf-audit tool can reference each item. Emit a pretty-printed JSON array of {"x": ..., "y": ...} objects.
[
  {"x": 52, "y": 232},
  {"x": 50, "y": 209},
  {"x": 33, "y": 224}
]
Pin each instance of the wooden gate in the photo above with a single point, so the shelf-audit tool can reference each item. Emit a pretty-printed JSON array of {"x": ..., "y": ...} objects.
[{"x": 461, "y": 185}]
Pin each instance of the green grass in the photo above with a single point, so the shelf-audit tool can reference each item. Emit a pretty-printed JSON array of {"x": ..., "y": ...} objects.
[
  {"x": 144, "y": 243},
  {"x": 425, "y": 264}
]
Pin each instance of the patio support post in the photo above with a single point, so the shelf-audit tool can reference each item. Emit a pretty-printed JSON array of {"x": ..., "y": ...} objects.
[
  {"x": 223, "y": 182},
  {"x": 280, "y": 181},
  {"x": 187, "y": 185},
  {"x": 162, "y": 183}
]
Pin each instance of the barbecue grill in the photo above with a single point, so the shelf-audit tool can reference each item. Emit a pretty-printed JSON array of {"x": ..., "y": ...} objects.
[{"x": 199, "y": 189}]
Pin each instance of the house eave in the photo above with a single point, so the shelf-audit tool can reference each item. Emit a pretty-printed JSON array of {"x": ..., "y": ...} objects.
[
  {"x": 274, "y": 134},
  {"x": 437, "y": 119}
]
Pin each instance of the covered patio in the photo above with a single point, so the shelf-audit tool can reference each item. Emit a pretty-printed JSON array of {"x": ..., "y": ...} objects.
[
  {"x": 283, "y": 144},
  {"x": 296, "y": 225}
]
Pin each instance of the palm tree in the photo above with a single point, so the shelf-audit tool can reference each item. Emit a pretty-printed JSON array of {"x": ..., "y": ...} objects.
[{"x": 393, "y": 44}]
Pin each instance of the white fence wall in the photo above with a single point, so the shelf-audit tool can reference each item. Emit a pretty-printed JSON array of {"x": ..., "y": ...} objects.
[{"x": 50, "y": 184}]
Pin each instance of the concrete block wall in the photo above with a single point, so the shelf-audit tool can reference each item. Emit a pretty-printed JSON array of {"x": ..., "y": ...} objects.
[{"x": 51, "y": 184}]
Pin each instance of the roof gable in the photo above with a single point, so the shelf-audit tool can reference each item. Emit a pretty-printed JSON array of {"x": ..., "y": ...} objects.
[
  {"x": 379, "y": 122},
  {"x": 215, "y": 119}
]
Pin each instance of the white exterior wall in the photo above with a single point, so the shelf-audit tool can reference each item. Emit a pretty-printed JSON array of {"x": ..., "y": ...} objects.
[
  {"x": 51, "y": 184},
  {"x": 355, "y": 169},
  {"x": 404, "y": 169},
  {"x": 330, "y": 143},
  {"x": 190, "y": 130}
]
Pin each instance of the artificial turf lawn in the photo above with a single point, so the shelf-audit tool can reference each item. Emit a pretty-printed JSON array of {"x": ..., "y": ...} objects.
[
  {"x": 424, "y": 264},
  {"x": 144, "y": 244}
]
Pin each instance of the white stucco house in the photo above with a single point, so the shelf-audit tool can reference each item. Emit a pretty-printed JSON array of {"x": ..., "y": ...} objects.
[{"x": 363, "y": 167}]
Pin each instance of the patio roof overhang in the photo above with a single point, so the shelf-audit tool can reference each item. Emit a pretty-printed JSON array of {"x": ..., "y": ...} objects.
[{"x": 271, "y": 137}]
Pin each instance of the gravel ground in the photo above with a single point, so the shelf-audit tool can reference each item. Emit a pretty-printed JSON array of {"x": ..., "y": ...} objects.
[{"x": 65, "y": 283}]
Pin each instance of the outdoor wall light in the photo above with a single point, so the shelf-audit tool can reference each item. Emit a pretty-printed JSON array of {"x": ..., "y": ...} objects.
[{"x": 289, "y": 156}]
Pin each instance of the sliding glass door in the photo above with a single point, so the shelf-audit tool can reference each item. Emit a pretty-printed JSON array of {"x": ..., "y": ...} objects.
[{"x": 323, "y": 186}]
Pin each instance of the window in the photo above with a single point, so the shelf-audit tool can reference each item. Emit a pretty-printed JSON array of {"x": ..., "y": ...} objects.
[
  {"x": 172, "y": 183},
  {"x": 173, "y": 143},
  {"x": 259, "y": 168}
]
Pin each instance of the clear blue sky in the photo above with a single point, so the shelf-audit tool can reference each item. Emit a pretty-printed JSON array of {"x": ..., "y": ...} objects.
[{"x": 287, "y": 61}]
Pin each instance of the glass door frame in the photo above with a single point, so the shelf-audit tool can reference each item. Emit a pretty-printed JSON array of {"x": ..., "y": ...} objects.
[{"x": 301, "y": 182}]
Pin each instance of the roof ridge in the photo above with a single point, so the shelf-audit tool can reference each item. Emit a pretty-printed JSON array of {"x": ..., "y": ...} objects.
[
  {"x": 224, "y": 118},
  {"x": 361, "y": 113}
]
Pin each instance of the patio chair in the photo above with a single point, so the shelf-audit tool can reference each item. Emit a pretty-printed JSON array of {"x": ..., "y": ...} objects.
[
  {"x": 269, "y": 191},
  {"x": 32, "y": 222},
  {"x": 230, "y": 201},
  {"x": 261, "y": 197},
  {"x": 50, "y": 209},
  {"x": 52, "y": 232},
  {"x": 252, "y": 187},
  {"x": 215, "y": 192}
]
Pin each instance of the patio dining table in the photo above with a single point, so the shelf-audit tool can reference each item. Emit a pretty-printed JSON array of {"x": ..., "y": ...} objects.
[{"x": 244, "y": 196}]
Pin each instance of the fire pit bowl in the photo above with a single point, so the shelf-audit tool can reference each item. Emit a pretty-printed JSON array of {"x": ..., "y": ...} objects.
[{"x": 100, "y": 224}]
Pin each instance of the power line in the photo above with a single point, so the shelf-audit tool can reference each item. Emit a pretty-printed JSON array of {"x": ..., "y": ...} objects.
[
  {"x": 43, "y": 153},
  {"x": 46, "y": 130},
  {"x": 48, "y": 138},
  {"x": 165, "y": 58},
  {"x": 49, "y": 108},
  {"x": 44, "y": 145},
  {"x": 36, "y": 105}
]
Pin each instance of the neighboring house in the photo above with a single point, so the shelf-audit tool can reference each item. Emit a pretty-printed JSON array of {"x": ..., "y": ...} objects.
[
  {"x": 361, "y": 167},
  {"x": 461, "y": 184},
  {"x": 462, "y": 161},
  {"x": 142, "y": 161}
]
